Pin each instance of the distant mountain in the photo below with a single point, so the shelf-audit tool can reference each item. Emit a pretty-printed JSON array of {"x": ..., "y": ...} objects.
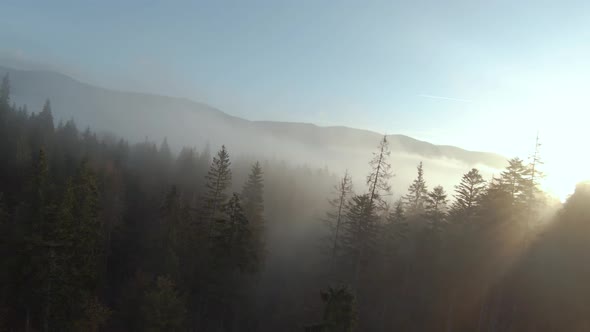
[{"x": 136, "y": 116}]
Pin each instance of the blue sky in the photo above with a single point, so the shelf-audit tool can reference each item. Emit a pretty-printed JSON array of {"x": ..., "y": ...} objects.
[{"x": 451, "y": 72}]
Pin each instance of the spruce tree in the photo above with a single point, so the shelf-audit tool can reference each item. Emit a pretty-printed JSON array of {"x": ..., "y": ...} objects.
[
  {"x": 468, "y": 194},
  {"x": 532, "y": 190},
  {"x": 253, "y": 203},
  {"x": 334, "y": 218},
  {"x": 396, "y": 226},
  {"x": 436, "y": 207},
  {"x": 378, "y": 178},
  {"x": 394, "y": 230},
  {"x": 359, "y": 234},
  {"x": 218, "y": 180},
  {"x": 515, "y": 181},
  {"x": 417, "y": 194}
]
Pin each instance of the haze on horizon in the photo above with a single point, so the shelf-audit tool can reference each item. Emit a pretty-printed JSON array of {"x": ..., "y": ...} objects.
[
  {"x": 454, "y": 73},
  {"x": 305, "y": 166}
]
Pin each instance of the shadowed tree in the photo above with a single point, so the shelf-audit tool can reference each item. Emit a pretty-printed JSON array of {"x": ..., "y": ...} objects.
[
  {"x": 340, "y": 310},
  {"x": 468, "y": 194},
  {"x": 359, "y": 234},
  {"x": 417, "y": 195},
  {"x": 378, "y": 178},
  {"x": 396, "y": 227},
  {"x": 334, "y": 217},
  {"x": 515, "y": 181},
  {"x": 436, "y": 207},
  {"x": 218, "y": 181},
  {"x": 163, "y": 309},
  {"x": 253, "y": 204}
]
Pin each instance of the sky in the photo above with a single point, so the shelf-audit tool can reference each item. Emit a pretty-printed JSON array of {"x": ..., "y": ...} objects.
[{"x": 482, "y": 75}]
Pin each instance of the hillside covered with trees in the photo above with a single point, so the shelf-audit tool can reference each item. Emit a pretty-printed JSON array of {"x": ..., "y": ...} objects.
[{"x": 97, "y": 234}]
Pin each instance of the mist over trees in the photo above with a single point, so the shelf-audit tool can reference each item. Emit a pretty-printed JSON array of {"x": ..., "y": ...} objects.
[{"x": 97, "y": 234}]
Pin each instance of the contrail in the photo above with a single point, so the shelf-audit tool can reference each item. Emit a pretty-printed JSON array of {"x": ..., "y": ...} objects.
[{"x": 445, "y": 98}]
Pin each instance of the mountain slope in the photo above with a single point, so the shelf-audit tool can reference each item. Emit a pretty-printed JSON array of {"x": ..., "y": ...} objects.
[{"x": 136, "y": 116}]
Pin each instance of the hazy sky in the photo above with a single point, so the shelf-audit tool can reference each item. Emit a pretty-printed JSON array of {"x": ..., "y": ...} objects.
[{"x": 484, "y": 75}]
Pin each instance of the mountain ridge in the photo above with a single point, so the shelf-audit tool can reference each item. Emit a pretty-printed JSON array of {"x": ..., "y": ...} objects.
[{"x": 116, "y": 111}]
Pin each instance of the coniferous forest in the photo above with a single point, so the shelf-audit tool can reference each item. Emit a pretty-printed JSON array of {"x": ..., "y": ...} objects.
[{"x": 97, "y": 234}]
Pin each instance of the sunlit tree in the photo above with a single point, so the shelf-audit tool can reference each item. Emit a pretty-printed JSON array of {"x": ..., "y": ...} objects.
[
  {"x": 468, "y": 194},
  {"x": 417, "y": 195},
  {"x": 381, "y": 173}
]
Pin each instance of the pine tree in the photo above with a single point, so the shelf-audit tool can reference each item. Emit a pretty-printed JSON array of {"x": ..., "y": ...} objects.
[
  {"x": 252, "y": 195},
  {"x": 175, "y": 232},
  {"x": 45, "y": 117},
  {"x": 417, "y": 194},
  {"x": 515, "y": 181},
  {"x": 218, "y": 181},
  {"x": 360, "y": 233},
  {"x": 334, "y": 218},
  {"x": 468, "y": 194},
  {"x": 165, "y": 157},
  {"x": 238, "y": 235},
  {"x": 531, "y": 189},
  {"x": 436, "y": 207},
  {"x": 396, "y": 226},
  {"x": 39, "y": 254},
  {"x": 394, "y": 230},
  {"x": 378, "y": 178},
  {"x": 253, "y": 203},
  {"x": 89, "y": 233}
]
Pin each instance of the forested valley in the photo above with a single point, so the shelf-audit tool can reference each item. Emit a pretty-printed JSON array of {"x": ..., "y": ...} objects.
[{"x": 97, "y": 234}]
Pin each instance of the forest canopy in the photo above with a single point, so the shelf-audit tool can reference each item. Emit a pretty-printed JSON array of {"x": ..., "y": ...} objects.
[{"x": 97, "y": 234}]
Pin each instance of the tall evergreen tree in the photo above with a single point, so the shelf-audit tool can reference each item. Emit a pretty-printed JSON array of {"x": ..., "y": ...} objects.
[
  {"x": 532, "y": 191},
  {"x": 334, "y": 218},
  {"x": 436, "y": 207},
  {"x": 417, "y": 194},
  {"x": 468, "y": 194},
  {"x": 360, "y": 234},
  {"x": 232, "y": 247},
  {"x": 378, "y": 178},
  {"x": 253, "y": 202},
  {"x": 218, "y": 181},
  {"x": 515, "y": 181},
  {"x": 396, "y": 226}
]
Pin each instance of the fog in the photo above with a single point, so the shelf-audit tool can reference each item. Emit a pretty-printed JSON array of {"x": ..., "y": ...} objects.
[{"x": 134, "y": 212}]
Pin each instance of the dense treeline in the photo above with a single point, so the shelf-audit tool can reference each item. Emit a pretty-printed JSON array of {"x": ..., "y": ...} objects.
[
  {"x": 97, "y": 234},
  {"x": 100, "y": 234}
]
